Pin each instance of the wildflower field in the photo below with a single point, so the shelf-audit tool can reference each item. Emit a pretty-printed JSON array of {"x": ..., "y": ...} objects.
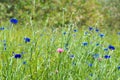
[
  {"x": 49, "y": 50},
  {"x": 67, "y": 53}
]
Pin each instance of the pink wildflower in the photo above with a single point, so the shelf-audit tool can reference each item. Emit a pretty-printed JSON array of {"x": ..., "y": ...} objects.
[
  {"x": 60, "y": 50},
  {"x": 99, "y": 59}
]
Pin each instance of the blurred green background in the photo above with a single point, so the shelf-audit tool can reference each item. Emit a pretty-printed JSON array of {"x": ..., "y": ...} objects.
[{"x": 104, "y": 14}]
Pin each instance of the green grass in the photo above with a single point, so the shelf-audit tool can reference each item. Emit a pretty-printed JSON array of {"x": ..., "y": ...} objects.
[{"x": 43, "y": 62}]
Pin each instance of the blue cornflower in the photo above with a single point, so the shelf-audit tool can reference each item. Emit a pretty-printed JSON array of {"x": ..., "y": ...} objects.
[
  {"x": 5, "y": 48},
  {"x": 22, "y": 52},
  {"x": 27, "y": 39},
  {"x": 17, "y": 56},
  {"x": 74, "y": 35},
  {"x": 101, "y": 35},
  {"x": 111, "y": 47},
  {"x": 91, "y": 74},
  {"x": 72, "y": 56},
  {"x": 85, "y": 33},
  {"x": 106, "y": 49},
  {"x": 118, "y": 67},
  {"x": 24, "y": 62},
  {"x": 41, "y": 34},
  {"x": 64, "y": 33},
  {"x": 107, "y": 56},
  {"x": 66, "y": 45},
  {"x": 75, "y": 30},
  {"x": 118, "y": 33},
  {"x": 97, "y": 44},
  {"x": 5, "y": 45},
  {"x": 14, "y": 21},
  {"x": 90, "y": 65},
  {"x": 73, "y": 63},
  {"x": 90, "y": 28},
  {"x": 85, "y": 43},
  {"x": 2, "y": 28},
  {"x": 96, "y": 56},
  {"x": 97, "y": 30}
]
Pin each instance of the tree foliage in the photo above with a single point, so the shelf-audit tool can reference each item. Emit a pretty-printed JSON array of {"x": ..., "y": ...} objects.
[
  {"x": 98, "y": 13},
  {"x": 111, "y": 13}
]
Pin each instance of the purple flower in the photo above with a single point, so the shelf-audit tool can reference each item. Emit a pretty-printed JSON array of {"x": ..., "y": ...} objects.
[{"x": 14, "y": 21}]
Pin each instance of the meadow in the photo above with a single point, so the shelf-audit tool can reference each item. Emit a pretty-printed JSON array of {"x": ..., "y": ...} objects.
[
  {"x": 59, "y": 40},
  {"x": 63, "y": 53}
]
